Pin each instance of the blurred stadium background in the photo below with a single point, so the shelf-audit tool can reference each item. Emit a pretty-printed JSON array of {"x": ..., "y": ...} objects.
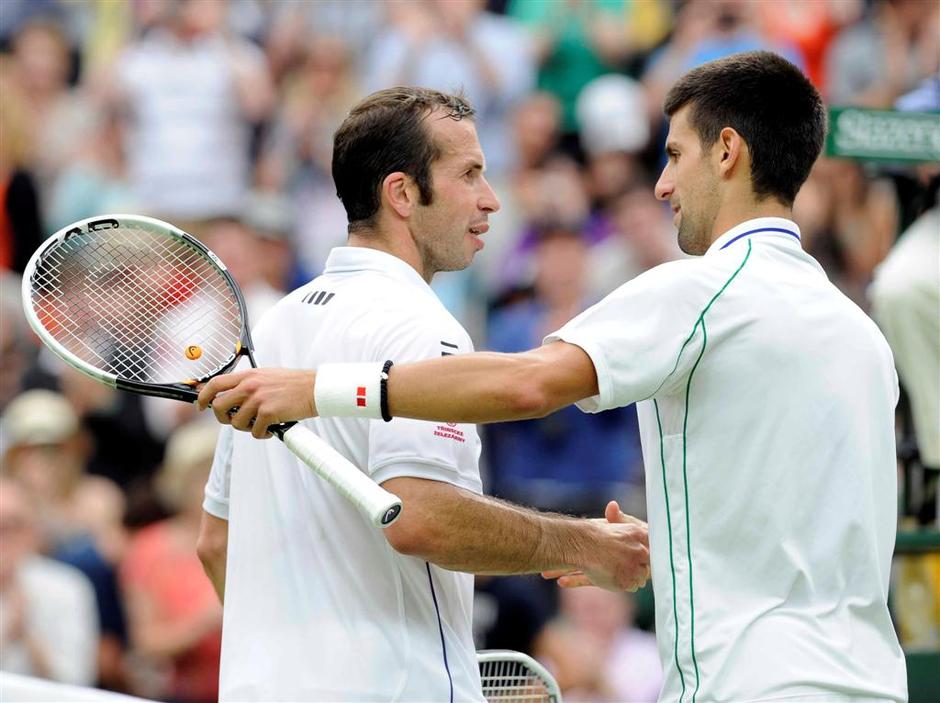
[{"x": 218, "y": 116}]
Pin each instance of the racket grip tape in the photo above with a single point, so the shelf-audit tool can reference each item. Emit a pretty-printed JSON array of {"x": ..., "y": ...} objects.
[{"x": 380, "y": 506}]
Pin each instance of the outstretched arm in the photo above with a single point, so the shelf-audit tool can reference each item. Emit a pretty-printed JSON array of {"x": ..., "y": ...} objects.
[{"x": 478, "y": 387}]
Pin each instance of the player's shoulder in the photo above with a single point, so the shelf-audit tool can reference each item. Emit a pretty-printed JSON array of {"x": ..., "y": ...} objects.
[
  {"x": 386, "y": 309},
  {"x": 680, "y": 279}
]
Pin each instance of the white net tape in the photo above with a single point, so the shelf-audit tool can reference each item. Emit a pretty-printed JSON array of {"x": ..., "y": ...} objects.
[
  {"x": 506, "y": 678},
  {"x": 131, "y": 302},
  {"x": 15, "y": 688}
]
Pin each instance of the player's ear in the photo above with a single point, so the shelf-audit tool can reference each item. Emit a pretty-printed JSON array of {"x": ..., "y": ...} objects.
[
  {"x": 399, "y": 191},
  {"x": 730, "y": 151}
]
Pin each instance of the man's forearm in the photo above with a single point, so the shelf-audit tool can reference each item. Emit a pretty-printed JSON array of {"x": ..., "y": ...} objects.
[{"x": 462, "y": 531}]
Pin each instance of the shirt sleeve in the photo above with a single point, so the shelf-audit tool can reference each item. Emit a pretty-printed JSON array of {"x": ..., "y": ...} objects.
[
  {"x": 432, "y": 450},
  {"x": 638, "y": 336},
  {"x": 216, "y": 497}
]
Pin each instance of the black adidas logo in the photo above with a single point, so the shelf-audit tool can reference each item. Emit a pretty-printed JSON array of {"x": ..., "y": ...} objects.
[{"x": 318, "y": 297}]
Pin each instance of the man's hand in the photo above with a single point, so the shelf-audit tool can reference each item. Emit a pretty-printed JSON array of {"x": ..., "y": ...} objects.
[
  {"x": 623, "y": 563},
  {"x": 262, "y": 397}
]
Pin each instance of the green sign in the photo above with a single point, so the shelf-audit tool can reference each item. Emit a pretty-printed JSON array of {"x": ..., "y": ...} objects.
[{"x": 883, "y": 135}]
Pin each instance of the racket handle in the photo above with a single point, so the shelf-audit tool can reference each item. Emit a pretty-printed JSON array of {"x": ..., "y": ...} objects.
[{"x": 381, "y": 507}]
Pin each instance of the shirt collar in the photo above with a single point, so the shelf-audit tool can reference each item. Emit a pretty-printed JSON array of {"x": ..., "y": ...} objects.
[
  {"x": 779, "y": 228},
  {"x": 353, "y": 259}
]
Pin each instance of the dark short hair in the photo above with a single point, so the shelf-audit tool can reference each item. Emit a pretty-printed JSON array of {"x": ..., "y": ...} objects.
[
  {"x": 770, "y": 103},
  {"x": 387, "y": 132}
]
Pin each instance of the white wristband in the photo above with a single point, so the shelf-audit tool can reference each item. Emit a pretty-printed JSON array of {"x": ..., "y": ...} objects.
[{"x": 349, "y": 390}]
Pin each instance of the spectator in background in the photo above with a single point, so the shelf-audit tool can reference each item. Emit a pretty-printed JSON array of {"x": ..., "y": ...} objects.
[
  {"x": 16, "y": 339},
  {"x": 706, "y": 30},
  {"x": 296, "y": 25},
  {"x": 271, "y": 218},
  {"x": 47, "y": 609},
  {"x": 615, "y": 129},
  {"x": 887, "y": 54},
  {"x": 808, "y": 25},
  {"x": 192, "y": 93},
  {"x": 78, "y": 517},
  {"x": 568, "y": 462},
  {"x": 536, "y": 130},
  {"x": 298, "y": 150},
  {"x": 174, "y": 615},
  {"x": 849, "y": 218},
  {"x": 512, "y": 612},
  {"x": 605, "y": 658},
  {"x": 644, "y": 237},
  {"x": 456, "y": 44},
  {"x": 59, "y": 116},
  {"x": 94, "y": 180},
  {"x": 554, "y": 194},
  {"x": 905, "y": 296},
  {"x": 576, "y": 41},
  {"x": 239, "y": 246},
  {"x": 20, "y": 217}
]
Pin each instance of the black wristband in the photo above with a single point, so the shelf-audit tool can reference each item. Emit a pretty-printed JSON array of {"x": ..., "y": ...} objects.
[{"x": 383, "y": 391}]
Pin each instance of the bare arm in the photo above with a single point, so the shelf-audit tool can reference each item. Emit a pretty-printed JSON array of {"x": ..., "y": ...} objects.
[
  {"x": 492, "y": 387},
  {"x": 212, "y": 549},
  {"x": 478, "y": 387},
  {"x": 462, "y": 531}
]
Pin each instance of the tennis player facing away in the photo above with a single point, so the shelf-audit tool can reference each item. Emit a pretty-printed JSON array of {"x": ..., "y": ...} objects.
[
  {"x": 320, "y": 604},
  {"x": 766, "y": 413}
]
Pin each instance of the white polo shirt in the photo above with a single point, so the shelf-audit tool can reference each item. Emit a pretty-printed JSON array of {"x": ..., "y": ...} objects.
[
  {"x": 767, "y": 421},
  {"x": 318, "y": 606}
]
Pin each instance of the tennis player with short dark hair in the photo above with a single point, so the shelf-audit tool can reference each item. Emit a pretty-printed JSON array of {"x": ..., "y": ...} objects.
[
  {"x": 320, "y": 604},
  {"x": 766, "y": 402}
]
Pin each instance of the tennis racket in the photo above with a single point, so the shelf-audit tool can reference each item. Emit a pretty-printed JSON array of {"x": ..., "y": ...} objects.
[
  {"x": 514, "y": 677},
  {"x": 141, "y": 306}
]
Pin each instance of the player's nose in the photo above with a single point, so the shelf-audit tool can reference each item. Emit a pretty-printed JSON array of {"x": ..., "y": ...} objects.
[
  {"x": 488, "y": 200},
  {"x": 664, "y": 186}
]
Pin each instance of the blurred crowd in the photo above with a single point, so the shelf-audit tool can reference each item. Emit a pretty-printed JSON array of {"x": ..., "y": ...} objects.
[{"x": 218, "y": 115}]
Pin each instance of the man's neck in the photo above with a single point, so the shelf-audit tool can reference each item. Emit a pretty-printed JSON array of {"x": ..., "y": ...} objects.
[
  {"x": 400, "y": 247},
  {"x": 732, "y": 216}
]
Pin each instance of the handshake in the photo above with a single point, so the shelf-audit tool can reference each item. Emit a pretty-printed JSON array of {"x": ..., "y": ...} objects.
[{"x": 620, "y": 559}]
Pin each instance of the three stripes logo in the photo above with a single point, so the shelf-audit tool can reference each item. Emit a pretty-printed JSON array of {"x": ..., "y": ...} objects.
[{"x": 318, "y": 297}]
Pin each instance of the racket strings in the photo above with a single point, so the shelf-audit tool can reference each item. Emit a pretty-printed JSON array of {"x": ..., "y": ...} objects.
[
  {"x": 130, "y": 302},
  {"x": 512, "y": 682}
]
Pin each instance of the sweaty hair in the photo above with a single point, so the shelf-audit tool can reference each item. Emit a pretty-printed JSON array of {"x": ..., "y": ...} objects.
[
  {"x": 388, "y": 132},
  {"x": 770, "y": 103}
]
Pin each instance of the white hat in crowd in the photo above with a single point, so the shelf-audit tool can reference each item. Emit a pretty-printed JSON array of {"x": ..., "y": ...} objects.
[
  {"x": 38, "y": 417},
  {"x": 612, "y": 114},
  {"x": 190, "y": 448}
]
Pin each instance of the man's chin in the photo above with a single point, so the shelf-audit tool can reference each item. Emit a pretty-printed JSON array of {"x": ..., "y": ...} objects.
[{"x": 690, "y": 243}]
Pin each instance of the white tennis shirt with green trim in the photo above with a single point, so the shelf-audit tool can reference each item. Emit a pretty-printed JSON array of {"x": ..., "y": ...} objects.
[
  {"x": 318, "y": 605},
  {"x": 767, "y": 422}
]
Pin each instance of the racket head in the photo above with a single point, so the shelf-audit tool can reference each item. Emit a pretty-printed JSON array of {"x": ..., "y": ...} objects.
[
  {"x": 137, "y": 304},
  {"x": 508, "y": 676}
]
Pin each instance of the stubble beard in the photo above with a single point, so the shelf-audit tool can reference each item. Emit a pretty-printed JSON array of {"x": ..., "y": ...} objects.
[
  {"x": 441, "y": 253},
  {"x": 692, "y": 236}
]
